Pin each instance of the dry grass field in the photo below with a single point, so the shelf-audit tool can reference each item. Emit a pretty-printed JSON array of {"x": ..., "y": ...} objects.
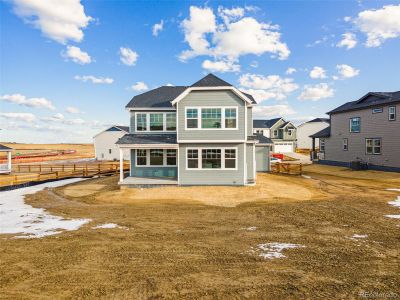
[{"x": 201, "y": 242}]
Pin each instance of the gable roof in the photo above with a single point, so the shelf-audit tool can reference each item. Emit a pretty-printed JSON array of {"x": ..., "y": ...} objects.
[
  {"x": 163, "y": 96},
  {"x": 316, "y": 120},
  {"x": 5, "y": 148},
  {"x": 150, "y": 138},
  {"x": 265, "y": 123},
  {"x": 324, "y": 133},
  {"x": 369, "y": 100},
  {"x": 123, "y": 128}
]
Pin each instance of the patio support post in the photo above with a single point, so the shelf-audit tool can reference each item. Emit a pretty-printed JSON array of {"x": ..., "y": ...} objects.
[
  {"x": 313, "y": 149},
  {"x": 121, "y": 165},
  {"x": 9, "y": 160}
]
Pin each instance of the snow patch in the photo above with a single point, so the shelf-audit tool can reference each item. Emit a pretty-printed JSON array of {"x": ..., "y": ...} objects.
[
  {"x": 306, "y": 176},
  {"x": 396, "y": 202},
  {"x": 108, "y": 226},
  {"x": 393, "y": 190},
  {"x": 16, "y": 217},
  {"x": 393, "y": 216},
  {"x": 359, "y": 236},
  {"x": 253, "y": 228},
  {"x": 274, "y": 250}
]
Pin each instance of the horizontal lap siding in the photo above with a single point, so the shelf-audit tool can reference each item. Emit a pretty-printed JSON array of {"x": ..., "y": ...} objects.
[
  {"x": 372, "y": 126},
  {"x": 210, "y": 177},
  {"x": 262, "y": 158},
  {"x": 211, "y": 98},
  {"x": 250, "y": 161}
]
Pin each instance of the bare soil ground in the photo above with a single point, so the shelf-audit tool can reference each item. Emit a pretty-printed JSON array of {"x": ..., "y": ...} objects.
[{"x": 195, "y": 242}]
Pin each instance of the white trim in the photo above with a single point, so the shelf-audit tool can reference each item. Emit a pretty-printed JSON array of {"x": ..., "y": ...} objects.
[
  {"x": 254, "y": 163},
  {"x": 164, "y": 130},
  {"x": 150, "y": 108},
  {"x": 214, "y": 88},
  {"x": 199, "y": 159},
  {"x": 288, "y": 124},
  {"x": 148, "y": 146},
  {"x": 121, "y": 165},
  {"x": 245, "y": 164},
  {"x": 178, "y": 175},
  {"x": 148, "y": 165},
  {"x": 199, "y": 117},
  {"x": 211, "y": 141}
]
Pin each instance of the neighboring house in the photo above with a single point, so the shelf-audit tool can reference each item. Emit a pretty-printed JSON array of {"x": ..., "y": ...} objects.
[
  {"x": 281, "y": 132},
  {"x": 193, "y": 135},
  {"x": 366, "y": 130},
  {"x": 5, "y": 167},
  {"x": 308, "y": 128},
  {"x": 104, "y": 143}
]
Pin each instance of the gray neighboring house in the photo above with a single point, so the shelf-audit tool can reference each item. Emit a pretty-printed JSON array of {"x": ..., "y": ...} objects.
[
  {"x": 366, "y": 130},
  {"x": 281, "y": 132},
  {"x": 308, "y": 128},
  {"x": 193, "y": 135}
]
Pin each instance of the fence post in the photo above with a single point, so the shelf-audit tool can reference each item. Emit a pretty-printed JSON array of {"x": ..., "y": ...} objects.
[
  {"x": 40, "y": 168},
  {"x": 301, "y": 169}
]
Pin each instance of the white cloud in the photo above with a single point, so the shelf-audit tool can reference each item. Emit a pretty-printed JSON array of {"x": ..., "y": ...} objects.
[
  {"x": 346, "y": 71},
  {"x": 267, "y": 87},
  {"x": 77, "y": 55},
  {"x": 221, "y": 66},
  {"x": 272, "y": 111},
  {"x": 128, "y": 56},
  {"x": 170, "y": 84},
  {"x": 95, "y": 80},
  {"x": 158, "y": 27},
  {"x": 316, "y": 92},
  {"x": 290, "y": 71},
  {"x": 349, "y": 40},
  {"x": 74, "y": 121},
  {"x": 55, "y": 118},
  {"x": 234, "y": 37},
  {"x": 139, "y": 86},
  {"x": 318, "y": 73},
  {"x": 73, "y": 110},
  {"x": 30, "y": 102},
  {"x": 60, "y": 20},
  {"x": 379, "y": 25},
  {"x": 26, "y": 117}
]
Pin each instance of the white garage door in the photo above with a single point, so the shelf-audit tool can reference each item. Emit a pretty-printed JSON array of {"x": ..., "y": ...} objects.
[{"x": 283, "y": 147}]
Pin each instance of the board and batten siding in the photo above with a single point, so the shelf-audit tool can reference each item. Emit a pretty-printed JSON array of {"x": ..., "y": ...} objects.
[
  {"x": 211, "y": 176},
  {"x": 211, "y": 98},
  {"x": 372, "y": 126}
]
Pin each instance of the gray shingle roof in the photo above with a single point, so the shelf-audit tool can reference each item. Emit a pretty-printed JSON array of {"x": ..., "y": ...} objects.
[
  {"x": 141, "y": 138},
  {"x": 4, "y": 148},
  {"x": 265, "y": 123},
  {"x": 124, "y": 128},
  {"x": 369, "y": 100},
  {"x": 326, "y": 120},
  {"x": 261, "y": 139},
  {"x": 210, "y": 80},
  {"x": 324, "y": 133}
]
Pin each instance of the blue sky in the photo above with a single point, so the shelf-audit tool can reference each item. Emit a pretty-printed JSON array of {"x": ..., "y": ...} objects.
[{"x": 67, "y": 72}]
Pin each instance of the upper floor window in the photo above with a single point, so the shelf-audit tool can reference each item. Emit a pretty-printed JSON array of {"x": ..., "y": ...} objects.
[
  {"x": 345, "y": 144},
  {"x": 156, "y": 121},
  {"x": 377, "y": 110},
  {"x": 211, "y": 118},
  {"x": 290, "y": 132},
  {"x": 373, "y": 146},
  {"x": 355, "y": 124},
  {"x": 392, "y": 113},
  {"x": 275, "y": 132}
]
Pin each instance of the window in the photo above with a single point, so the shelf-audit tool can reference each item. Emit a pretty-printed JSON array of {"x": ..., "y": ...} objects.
[
  {"x": 373, "y": 146},
  {"x": 171, "y": 121},
  {"x": 392, "y": 113},
  {"x": 109, "y": 151},
  {"x": 230, "y": 158},
  {"x": 275, "y": 132},
  {"x": 345, "y": 144},
  {"x": 377, "y": 110},
  {"x": 193, "y": 159},
  {"x": 141, "y": 122},
  {"x": 290, "y": 131},
  {"x": 191, "y": 118},
  {"x": 141, "y": 157},
  {"x": 211, "y": 118},
  {"x": 156, "y": 157},
  {"x": 171, "y": 157},
  {"x": 321, "y": 145},
  {"x": 211, "y": 158},
  {"x": 230, "y": 117},
  {"x": 156, "y": 122},
  {"x": 355, "y": 125}
]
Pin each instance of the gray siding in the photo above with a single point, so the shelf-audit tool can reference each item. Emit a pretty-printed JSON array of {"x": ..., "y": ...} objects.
[
  {"x": 211, "y": 177},
  {"x": 211, "y": 98},
  {"x": 151, "y": 172},
  {"x": 249, "y": 121},
  {"x": 250, "y": 162},
  {"x": 372, "y": 126},
  {"x": 288, "y": 137},
  {"x": 262, "y": 158}
]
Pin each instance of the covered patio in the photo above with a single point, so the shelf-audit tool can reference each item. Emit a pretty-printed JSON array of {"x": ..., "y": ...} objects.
[
  {"x": 321, "y": 136},
  {"x": 5, "y": 165}
]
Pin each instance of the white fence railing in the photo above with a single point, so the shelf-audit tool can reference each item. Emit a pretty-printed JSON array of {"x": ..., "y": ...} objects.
[{"x": 4, "y": 168}]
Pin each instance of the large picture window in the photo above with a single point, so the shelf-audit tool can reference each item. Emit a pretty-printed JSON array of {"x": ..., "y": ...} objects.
[
  {"x": 211, "y": 158},
  {"x": 156, "y": 122},
  {"x": 355, "y": 125},
  {"x": 156, "y": 157},
  {"x": 192, "y": 118},
  {"x": 210, "y": 118},
  {"x": 373, "y": 146},
  {"x": 141, "y": 122},
  {"x": 171, "y": 121}
]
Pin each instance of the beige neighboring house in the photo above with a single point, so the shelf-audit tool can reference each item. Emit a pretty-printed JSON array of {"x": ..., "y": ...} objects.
[
  {"x": 308, "y": 128},
  {"x": 364, "y": 134},
  {"x": 5, "y": 168},
  {"x": 104, "y": 143}
]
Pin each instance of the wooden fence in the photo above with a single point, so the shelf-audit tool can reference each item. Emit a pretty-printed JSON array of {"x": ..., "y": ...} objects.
[
  {"x": 285, "y": 168},
  {"x": 42, "y": 172}
]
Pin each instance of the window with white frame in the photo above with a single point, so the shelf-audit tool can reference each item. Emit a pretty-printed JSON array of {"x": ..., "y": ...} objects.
[
  {"x": 211, "y": 118},
  {"x": 377, "y": 110},
  {"x": 141, "y": 122},
  {"x": 211, "y": 158},
  {"x": 290, "y": 131},
  {"x": 230, "y": 118},
  {"x": 141, "y": 157},
  {"x": 156, "y": 122},
  {"x": 373, "y": 146},
  {"x": 171, "y": 121},
  {"x": 275, "y": 132},
  {"x": 392, "y": 113},
  {"x": 345, "y": 144},
  {"x": 355, "y": 124},
  {"x": 321, "y": 145},
  {"x": 193, "y": 158},
  {"x": 171, "y": 157},
  {"x": 230, "y": 158},
  {"x": 192, "y": 120}
]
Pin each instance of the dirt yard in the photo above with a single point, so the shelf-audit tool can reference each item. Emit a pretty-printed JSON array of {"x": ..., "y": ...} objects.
[{"x": 209, "y": 242}]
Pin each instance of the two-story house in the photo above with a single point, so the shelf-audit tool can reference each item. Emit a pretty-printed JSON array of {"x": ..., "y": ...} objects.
[
  {"x": 281, "y": 132},
  {"x": 193, "y": 135},
  {"x": 365, "y": 130}
]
